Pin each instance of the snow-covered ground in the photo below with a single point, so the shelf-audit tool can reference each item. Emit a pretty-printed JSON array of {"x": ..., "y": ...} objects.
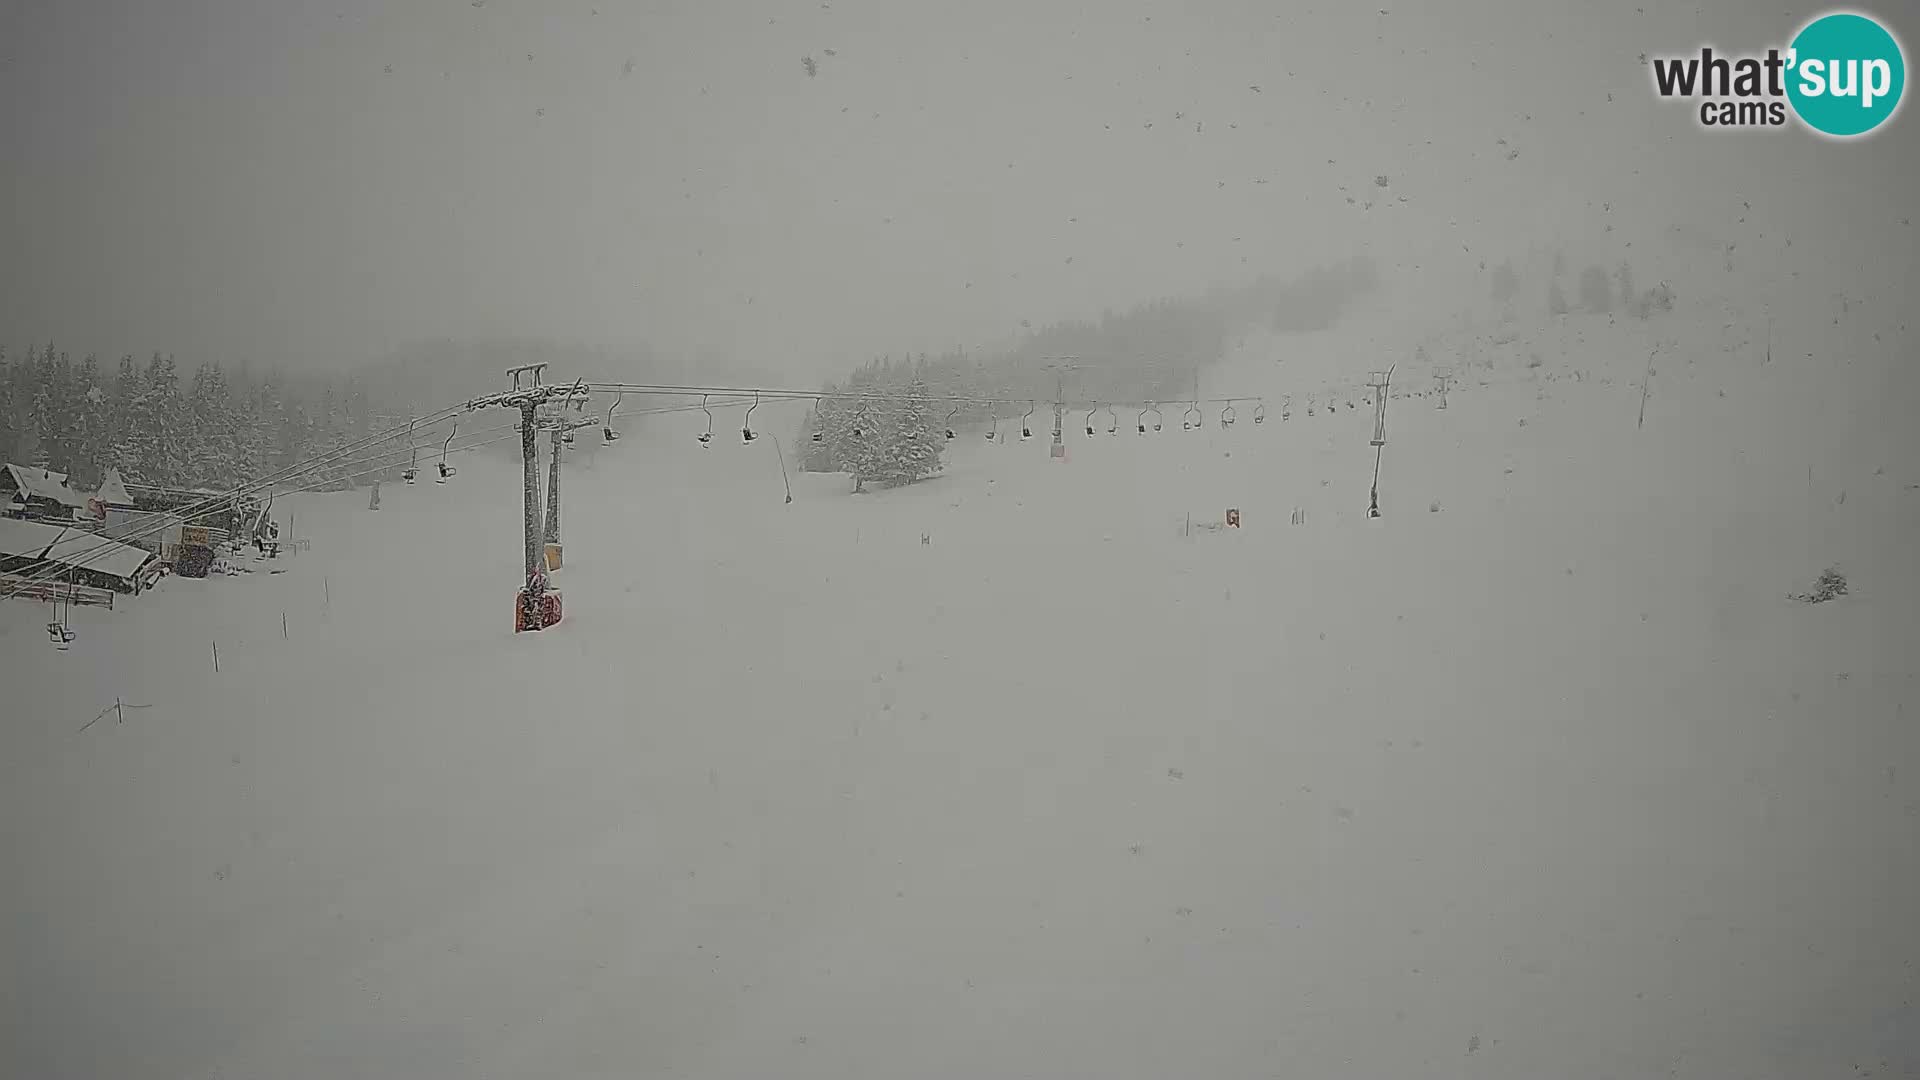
[{"x": 1024, "y": 771}]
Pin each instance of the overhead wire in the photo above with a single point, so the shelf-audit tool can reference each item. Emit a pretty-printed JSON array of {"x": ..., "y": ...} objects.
[{"x": 51, "y": 569}]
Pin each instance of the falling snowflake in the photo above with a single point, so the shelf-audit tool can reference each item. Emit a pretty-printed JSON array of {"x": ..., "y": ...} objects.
[{"x": 808, "y": 63}]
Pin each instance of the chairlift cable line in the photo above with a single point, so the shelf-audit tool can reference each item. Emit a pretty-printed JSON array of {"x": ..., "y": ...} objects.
[{"x": 49, "y": 569}]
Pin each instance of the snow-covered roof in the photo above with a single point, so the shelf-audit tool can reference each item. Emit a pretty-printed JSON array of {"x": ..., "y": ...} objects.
[
  {"x": 113, "y": 490},
  {"x": 45, "y": 484},
  {"x": 70, "y": 546}
]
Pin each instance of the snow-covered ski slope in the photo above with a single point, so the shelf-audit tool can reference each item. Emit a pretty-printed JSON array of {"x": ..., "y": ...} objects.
[{"x": 1024, "y": 771}]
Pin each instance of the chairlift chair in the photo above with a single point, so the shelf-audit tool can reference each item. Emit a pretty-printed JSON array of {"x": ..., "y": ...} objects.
[
  {"x": 1026, "y": 431},
  {"x": 993, "y": 432},
  {"x": 950, "y": 416},
  {"x": 413, "y": 461},
  {"x": 1260, "y": 412},
  {"x": 59, "y": 629},
  {"x": 706, "y": 438},
  {"x": 1090, "y": 413},
  {"x": 1192, "y": 418},
  {"x": 747, "y": 434},
  {"x": 1227, "y": 416},
  {"x": 607, "y": 434},
  {"x": 1113, "y": 421},
  {"x": 446, "y": 470}
]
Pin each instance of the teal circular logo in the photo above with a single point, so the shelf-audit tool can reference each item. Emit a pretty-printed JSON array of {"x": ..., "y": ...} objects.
[{"x": 1845, "y": 74}]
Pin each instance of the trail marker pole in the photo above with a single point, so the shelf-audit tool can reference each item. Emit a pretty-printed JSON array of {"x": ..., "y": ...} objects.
[
  {"x": 1646, "y": 385},
  {"x": 782, "y": 454}
]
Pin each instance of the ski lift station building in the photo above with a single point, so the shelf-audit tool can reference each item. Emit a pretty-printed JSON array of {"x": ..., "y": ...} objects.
[{"x": 81, "y": 556}]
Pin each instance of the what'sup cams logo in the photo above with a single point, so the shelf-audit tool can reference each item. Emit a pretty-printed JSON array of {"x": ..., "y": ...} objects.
[{"x": 1842, "y": 76}]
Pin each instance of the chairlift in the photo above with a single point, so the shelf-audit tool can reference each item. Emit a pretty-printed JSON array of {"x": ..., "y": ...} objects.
[
  {"x": 1286, "y": 407},
  {"x": 60, "y": 630},
  {"x": 1227, "y": 416},
  {"x": 746, "y": 425},
  {"x": 1192, "y": 418},
  {"x": 706, "y": 438},
  {"x": 1113, "y": 421},
  {"x": 1151, "y": 408},
  {"x": 607, "y": 434},
  {"x": 446, "y": 470},
  {"x": 950, "y": 416},
  {"x": 1026, "y": 431},
  {"x": 1260, "y": 412},
  {"x": 1090, "y": 413},
  {"x": 993, "y": 432},
  {"x": 413, "y": 461},
  {"x": 818, "y": 434}
]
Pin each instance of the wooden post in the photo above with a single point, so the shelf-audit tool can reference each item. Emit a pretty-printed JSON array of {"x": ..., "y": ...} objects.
[{"x": 1646, "y": 384}]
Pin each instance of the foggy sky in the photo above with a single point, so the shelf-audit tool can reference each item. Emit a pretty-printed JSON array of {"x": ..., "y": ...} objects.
[{"x": 244, "y": 179}]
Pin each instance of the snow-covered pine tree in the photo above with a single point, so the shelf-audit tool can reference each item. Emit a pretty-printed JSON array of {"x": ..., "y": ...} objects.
[
  {"x": 93, "y": 434},
  {"x": 116, "y": 452},
  {"x": 213, "y": 463},
  {"x": 1556, "y": 300},
  {"x": 155, "y": 425},
  {"x": 42, "y": 411},
  {"x": 10, "y": 426},
  {"x": 828, "y": 419},
  {"x": 864, "y": 439},
  {"x": 1596, "y": 290},
  {"x": 913, "y": 440}
]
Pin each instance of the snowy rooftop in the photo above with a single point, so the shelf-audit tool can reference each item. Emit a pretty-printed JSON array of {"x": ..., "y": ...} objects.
[
  {"x": 45, "y": 484},
  {"x": 91, "y": 552}
]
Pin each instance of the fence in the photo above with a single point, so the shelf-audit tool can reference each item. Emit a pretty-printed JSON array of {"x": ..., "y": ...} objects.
[{"x": 44, "y": 591}]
